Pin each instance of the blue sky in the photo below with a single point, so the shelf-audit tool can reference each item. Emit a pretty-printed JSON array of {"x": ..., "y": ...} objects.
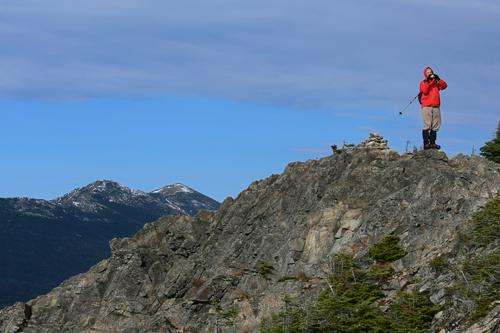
[{"x": 216, "y": 94}]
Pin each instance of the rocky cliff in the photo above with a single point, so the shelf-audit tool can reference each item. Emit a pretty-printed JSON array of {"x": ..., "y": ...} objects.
[{"x": 230, "y": 269}]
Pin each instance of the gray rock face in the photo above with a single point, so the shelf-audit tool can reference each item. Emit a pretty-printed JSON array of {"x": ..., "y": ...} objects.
[
  {"x": 184, "y": 274},
  {"x": 491, "y": 323}
]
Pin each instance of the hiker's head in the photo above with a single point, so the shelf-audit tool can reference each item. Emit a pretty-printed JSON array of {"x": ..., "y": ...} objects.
[{"x": 428, "y": 71}]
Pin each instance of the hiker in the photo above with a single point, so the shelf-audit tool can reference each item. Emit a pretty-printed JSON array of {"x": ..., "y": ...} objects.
[{"x": 430, "y": 101}]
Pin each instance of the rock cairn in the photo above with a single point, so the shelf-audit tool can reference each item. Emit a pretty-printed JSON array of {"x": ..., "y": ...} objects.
[{"x": 374, "y": 141}]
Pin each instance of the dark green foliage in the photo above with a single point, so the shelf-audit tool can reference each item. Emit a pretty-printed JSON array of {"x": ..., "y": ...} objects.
[
  {"x": 478, "y": 277},
  {"x": 357, "y": 293},
  {"x": 349, "y": 308},
  {"x": 230, "y": 315},
  {"x": 388, "y": 250},
  {"x": 491, "y": 149},
  {"x": 380, "y": 272},
  {"x": 438, "y": 263},
  {"x": 293, "y": 322},
  {"x": 412, "y": 312},
  {"x": 343, "y": 262},
  {"x": 483, "y": 283},
  {"x": 483, "y": 271},
  {"x": 265, "y": 270},
  {"x": 487, "y": 223},
  {"x": 349, "y": 305},
  {"x": 484, "y": 268},
  {"x": 293, "y": 318}
]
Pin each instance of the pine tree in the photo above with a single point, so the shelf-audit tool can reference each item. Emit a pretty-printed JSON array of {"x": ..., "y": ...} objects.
[{"x": 491, "y": 149}]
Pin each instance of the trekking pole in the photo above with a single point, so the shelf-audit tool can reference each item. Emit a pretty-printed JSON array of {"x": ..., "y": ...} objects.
[{"x": 406, "y": 107}]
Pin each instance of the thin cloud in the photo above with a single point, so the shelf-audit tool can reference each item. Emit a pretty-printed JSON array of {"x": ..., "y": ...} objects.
[{"x": 289, "y": 53}]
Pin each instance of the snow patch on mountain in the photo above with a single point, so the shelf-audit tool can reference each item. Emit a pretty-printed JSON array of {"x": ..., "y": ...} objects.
[{"x": 173, "y": 189}]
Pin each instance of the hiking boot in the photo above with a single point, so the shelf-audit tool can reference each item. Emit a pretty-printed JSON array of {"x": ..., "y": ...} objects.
[
  {"x": 432, "y": 140},
  {"x": 426, "y": 137},
  {"x": 433, "y": 146}
]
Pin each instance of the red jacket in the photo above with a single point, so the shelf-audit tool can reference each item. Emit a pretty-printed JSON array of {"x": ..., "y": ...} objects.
[{"x": 430, "y": 91}]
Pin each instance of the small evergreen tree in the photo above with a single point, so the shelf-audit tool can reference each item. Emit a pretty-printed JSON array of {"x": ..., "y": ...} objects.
[{"x": 491, "y": 149}]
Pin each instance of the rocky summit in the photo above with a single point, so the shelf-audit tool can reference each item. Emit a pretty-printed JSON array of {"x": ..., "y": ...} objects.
[{"x": 280, "y": 239}]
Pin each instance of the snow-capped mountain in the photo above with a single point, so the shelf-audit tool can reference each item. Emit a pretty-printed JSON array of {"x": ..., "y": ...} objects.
[
  {"x": 173, "y": 199},
  {"x": 180, "y": 196},
  {"x": 51, "y": 240}
]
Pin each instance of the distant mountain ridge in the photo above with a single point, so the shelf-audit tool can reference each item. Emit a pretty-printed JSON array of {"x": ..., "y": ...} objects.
[
  {"x": 51, "y": 240},
  {"x": 177, "y": 197}
]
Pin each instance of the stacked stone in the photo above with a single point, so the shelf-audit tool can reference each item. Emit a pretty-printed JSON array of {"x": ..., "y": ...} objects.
[{"x": 375, "y": 141}]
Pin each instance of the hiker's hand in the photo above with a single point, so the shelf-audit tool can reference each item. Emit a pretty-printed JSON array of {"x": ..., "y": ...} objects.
[{"x": 436, "y": 77}]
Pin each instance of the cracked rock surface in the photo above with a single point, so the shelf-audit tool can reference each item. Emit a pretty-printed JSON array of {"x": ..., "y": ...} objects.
[{"x": 177, "y": 273}]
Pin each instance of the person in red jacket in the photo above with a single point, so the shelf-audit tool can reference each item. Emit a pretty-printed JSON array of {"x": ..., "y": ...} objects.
[{"x": 431, "y": 102}]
